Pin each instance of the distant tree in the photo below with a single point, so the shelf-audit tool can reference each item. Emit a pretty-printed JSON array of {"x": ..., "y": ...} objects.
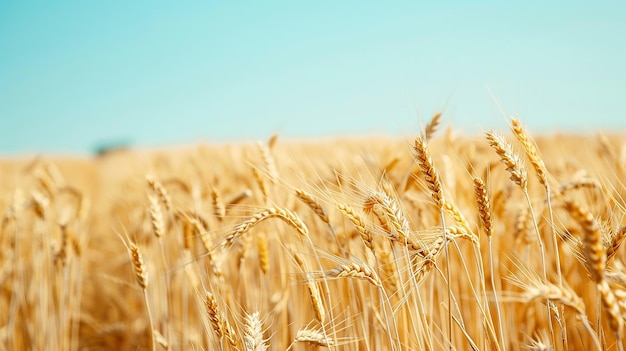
[{"x": 109, "y": 148}]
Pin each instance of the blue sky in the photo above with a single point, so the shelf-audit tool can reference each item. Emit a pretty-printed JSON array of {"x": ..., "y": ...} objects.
[{"x": 78, "y": 75}]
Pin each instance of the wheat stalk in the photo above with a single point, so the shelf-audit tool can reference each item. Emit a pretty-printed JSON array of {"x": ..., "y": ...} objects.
[
  {"x": 484, "y": 212},
  {"x": 433, "y": 182}
]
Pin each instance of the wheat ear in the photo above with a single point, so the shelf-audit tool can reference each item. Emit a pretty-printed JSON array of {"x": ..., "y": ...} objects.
[
  {"x": 219, "y": 209},
  {"x": 313, "y": 204},
  {"x": 392, "y": 212},
  {"x": 253, "y": 333},
  {"x": 141, "y": 275},
  {"x": 458, "y": 217},
  {"x": 161, "y": 192},
  {"x": 359, "y": 223},
  {"x": 273, "y": 212},
  {"x": 428, "y": 169},
  {"x": 555, "y": 293},
  {"x": 215, "y": 315},
  {"x": 594, "y": 251},
  {"x": 355, "y": 270},
  {"x": 261, "y": 182},
  {"x": 264, "y": 259},
  {"x": 432, "y": 126},
  {"x": 531, "y": 151},
  {"x": 220, "y": 324},
  {"x": 513, "y": 163},
  {"x": 484, "y": 207},
  {"x": 616, "y": 241},
  {"x": 156, "y": 216},
  {"x": 313, "y": 337},
  {"x": 268, "y": 159}
]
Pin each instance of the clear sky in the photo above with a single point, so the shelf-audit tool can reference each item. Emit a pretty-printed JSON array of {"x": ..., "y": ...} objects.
[{"x": 78, "y": 75}]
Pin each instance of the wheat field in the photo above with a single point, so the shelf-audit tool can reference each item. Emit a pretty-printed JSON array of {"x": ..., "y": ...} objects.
[{"x": 497, "y": 241}]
